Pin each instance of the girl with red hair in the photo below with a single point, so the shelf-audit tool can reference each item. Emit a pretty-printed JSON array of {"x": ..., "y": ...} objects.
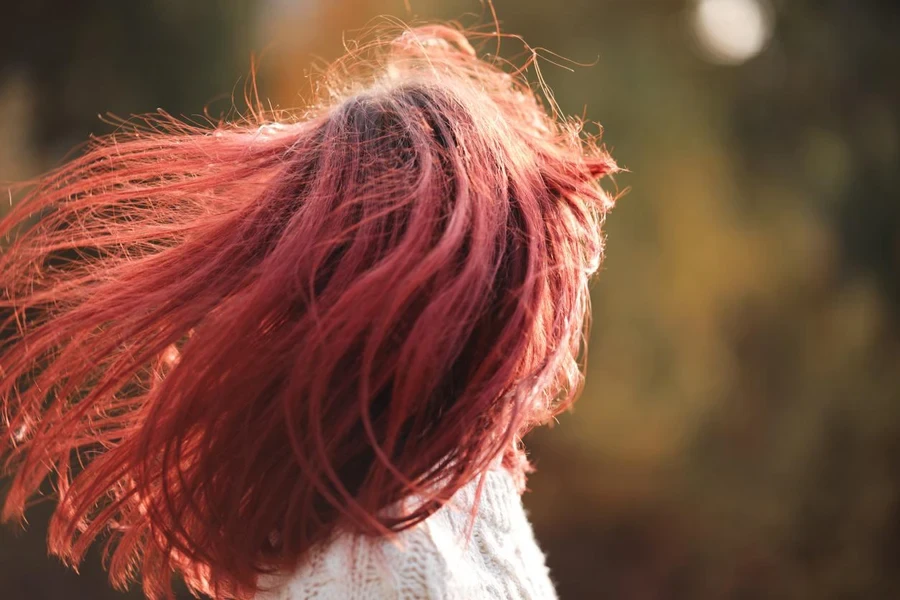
[{"x": 295, "y": 357}]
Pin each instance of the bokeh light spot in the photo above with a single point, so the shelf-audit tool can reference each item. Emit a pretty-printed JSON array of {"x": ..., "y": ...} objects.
[{"x": 732, "y": 31}]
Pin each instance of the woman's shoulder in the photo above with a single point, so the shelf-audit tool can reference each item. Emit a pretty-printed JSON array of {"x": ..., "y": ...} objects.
[{"x": 450, "y": 555}]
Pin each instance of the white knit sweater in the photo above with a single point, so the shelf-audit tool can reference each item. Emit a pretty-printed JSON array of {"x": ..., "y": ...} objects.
[{"x": 433, "y": 560}]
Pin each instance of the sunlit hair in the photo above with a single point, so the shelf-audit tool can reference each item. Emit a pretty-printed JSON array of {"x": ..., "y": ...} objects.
[{"x": 222, "y": 345}]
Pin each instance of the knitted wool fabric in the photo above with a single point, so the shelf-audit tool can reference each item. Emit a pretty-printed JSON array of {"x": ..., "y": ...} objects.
[{"x": 433, "y": 560}]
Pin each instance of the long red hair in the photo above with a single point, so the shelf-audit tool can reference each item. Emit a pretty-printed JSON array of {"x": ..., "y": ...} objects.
[{"x": 222, "y": 345}]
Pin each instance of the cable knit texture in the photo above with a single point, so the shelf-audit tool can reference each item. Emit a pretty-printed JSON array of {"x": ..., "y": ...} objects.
[{"x": 434, "y": 560}]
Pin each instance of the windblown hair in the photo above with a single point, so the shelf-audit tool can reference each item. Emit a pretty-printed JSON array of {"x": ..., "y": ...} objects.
[{"x": 223, "y": 345}]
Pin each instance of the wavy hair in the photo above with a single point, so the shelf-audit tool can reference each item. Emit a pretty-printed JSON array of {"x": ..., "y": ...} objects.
[{"x": 222, "y": 345}]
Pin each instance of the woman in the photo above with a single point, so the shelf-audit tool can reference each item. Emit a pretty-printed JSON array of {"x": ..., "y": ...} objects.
[{"x": 295, "y": 357}]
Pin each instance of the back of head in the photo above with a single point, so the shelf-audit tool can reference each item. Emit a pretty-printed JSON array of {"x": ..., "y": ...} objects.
[{"x": 228, "y": 344}]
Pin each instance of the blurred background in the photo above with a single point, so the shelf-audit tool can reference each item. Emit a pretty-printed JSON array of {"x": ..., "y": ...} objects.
[{"x": 739, "y": 435}]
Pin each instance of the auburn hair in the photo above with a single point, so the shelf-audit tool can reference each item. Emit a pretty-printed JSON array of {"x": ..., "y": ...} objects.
[{"x": 221, "y": 345}]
